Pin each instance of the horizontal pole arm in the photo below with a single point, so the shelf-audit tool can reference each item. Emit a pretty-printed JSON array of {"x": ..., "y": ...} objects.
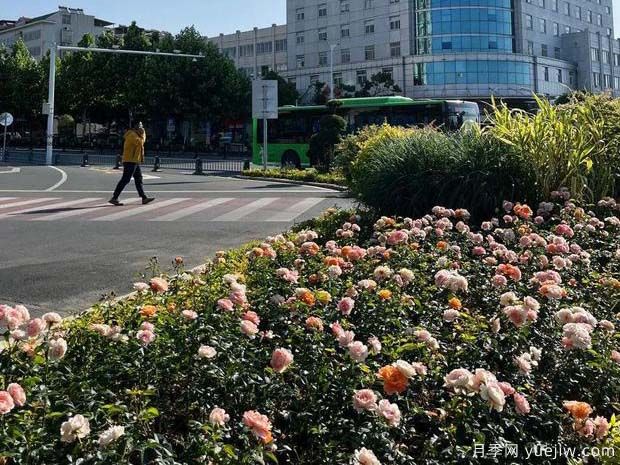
[{"x": 126, "y": 52}]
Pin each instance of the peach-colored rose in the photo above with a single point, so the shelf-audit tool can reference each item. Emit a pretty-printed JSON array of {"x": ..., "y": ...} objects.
[
  {"x": 365, "y": 457},
  {"x": 522, "y": 406},
  {"x": 57, "y": 348},
  {"x": 148, "y": 311},
  {"x": 314, "y": 323},
  {"x": 206, "y": 352},
  {"x": 249, "y": 329},
  {"x": 365, "y": 399},
  {"x": 390, "y": 412},
  {"x": 615, "y": 356},
  {"x": 145, "y": 336},
  {"x": 602, "y": 427},
  {"x": 52, "y": 318},
  {"x": 140, "y": 287},
  {"x": 159, "y": 285},
  {"x": 189, "y": 315},
  {"x": 493, "y": 393},
  {"x": 251, "y": 316},
  {"x": 259, "y": 424},
  {"x": 579, "y": 410},
  {"x": 226, "y": 305},
  {"x": 17, "y": 393},
  {"x": 6, "y": 402},
  {"x": 281, "y": 359},
  {"x": 394, "y": 382},
  {"x": 358, "y": 351},
  {"x": 450, "y": 315},
  {"x": 35, "y": 327},
  {"x": 459, "y": 380},
  {"x": 218, "y": 417}
]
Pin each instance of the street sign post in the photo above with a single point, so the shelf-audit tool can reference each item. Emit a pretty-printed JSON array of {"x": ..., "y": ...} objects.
[
  {"x": 6, "y": 119},
  {"x": 265, "y": 107}
]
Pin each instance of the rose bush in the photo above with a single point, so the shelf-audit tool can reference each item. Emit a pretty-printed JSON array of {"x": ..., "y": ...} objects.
[{"x": 351, "y": 340}]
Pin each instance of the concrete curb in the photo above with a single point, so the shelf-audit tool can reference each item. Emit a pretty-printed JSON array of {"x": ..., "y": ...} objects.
[{"x": 334, "y": 187}]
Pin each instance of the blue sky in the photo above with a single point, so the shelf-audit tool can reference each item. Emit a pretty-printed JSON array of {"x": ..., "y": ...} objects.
[{"x": 210, "y": 16}]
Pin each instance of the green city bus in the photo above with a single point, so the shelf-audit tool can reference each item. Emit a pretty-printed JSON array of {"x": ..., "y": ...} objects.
[{"x": 289, "y": 135}]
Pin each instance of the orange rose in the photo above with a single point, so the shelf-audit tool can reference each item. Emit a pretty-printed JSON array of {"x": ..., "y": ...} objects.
[
  {"x": 455, "y": 303},
  {"x": 333, "y": 261},
  {"x": 394, "y": 382},
  {"x": 148, "y": 311},
  {"x": 385, "y": 294},
  {"x": 523, "y": 211},
  {"x": 442, "y": 245},
  {"x": 257, "y": 252},
  {"x": 308, "y": 298},
  {"x": 171, "y": 307},
  {"x": 346, "y": 250},
  {"x": 579, "y": 410}
]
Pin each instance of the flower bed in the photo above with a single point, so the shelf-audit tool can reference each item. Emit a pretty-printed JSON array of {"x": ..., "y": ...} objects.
[
  {"x": 362, "y": 342},
  {"x": 307, "y": 175}
]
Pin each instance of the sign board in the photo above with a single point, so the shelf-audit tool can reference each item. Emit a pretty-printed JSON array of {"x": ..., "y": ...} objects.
[
  {"x": 47, "y": 108},
  {"x": 264, "y": 99},
  {"x": 171, "y": 126},
  {"x": 6, "y": 119}
]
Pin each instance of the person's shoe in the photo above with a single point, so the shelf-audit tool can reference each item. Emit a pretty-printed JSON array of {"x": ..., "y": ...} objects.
[
  {"x": 147, "y": 200},
  {"x": 116, "y": 203}
]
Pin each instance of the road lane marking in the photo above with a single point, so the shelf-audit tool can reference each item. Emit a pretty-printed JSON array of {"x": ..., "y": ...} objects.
[
  {"x": 184, "y": 212},
  {"x": 246, "y": 210},
  {"x": 59, "y": 183},
  {"x": 293, "y": 211},
  {"x": 11, "y": 171},
  {"x": 2, "y": 199},
  {"x": 139, "y": 210},
  {"x": 84, "y": 211},
  {"x": 250, "y": 190},
  {"x": 44, "y": 208},
  {"x": 4, "y": 206}
]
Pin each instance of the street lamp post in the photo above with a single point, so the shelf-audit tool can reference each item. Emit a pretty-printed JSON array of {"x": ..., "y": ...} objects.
[
  {"x": 52, "y": 82},
  {"x": 331, "y": 71}
]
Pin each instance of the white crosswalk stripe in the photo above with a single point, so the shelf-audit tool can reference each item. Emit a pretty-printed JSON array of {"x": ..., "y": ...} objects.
[
  {"x": 246, "y": 210},
  {"x": 295, "y": 210},
  {"x": 82, "y": 211},
  {"x": 2, "y": 199},
  {"x": 185, "y": 212},
  {"x": 139, "y": 210},
  {"x": 23, "y": 203},
  {"x": 53, "y": 206}
]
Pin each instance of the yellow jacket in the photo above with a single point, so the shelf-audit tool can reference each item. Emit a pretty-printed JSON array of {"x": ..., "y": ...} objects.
[{"x": 133, "y": 149}]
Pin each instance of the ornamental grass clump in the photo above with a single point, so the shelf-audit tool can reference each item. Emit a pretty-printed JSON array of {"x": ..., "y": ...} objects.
[{"x": 352, "y": 340}]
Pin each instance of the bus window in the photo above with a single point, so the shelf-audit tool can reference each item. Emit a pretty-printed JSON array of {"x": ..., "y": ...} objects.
[
  {"x": 459, "y": 114},
  {"x": 416, "y": 115},
  {"x": 363, "y": 118}
]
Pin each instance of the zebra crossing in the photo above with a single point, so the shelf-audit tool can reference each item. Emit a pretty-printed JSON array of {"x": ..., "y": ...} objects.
[{"x": 185, "y": 209}]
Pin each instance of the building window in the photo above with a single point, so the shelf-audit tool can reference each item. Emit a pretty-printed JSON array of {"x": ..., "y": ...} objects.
[
  {"x": 542, "y": 24},
  {"x": 606, "y": 81},
  {"x": 605, "y": 57},
  {"x": 589, "y": 16},
  {"x": 607, "y": 10},
  {"x": 528, "y": 22},
  {"x": 395, "y": 49},
  {"x": 246, "y": 50},
  {"x": 554, "y": 5},
  {"x": 369, "y": 27},
  {"x": 543, "y": 50},
  {"x": 345, "y": 56},
  {"x": 345, "y": 31},
  {"x": 281, "y": 45},
  {"x": 300, "y": 14},
  {"x": 314, "y": 78},
  {"x": 599, "y": 20},
  {"x": 230, "y": 52},
  {"x": 616, "y": 82},
  {"x": 368, "y": 4},
  {"x": 282, "y": 67},
  {"x": 546, "y": 74},
  {"x": 369, "y": 52},
  {"x": 530, "y": 47},
  {"x": 541, "y": 3},
  {"x": 264, "y": 47},
  {"x": 301, "y": 61},
  {"x": 300, "y": 38},
  {"x": 322, "y": 33},
  {"x": 596, "y": 79},
  {"x": 323, "y": 10},
  {"x": 559, "y": 75},
  {"x": 594, "y": 54},
  {"x": 557, "y": 53},
  {"x": 577, "y": 12},
  {"x": 394, "y": 23},
  {"x": 323, "y": 59},
  {"x": 556, "y": 29},
  {"x": 338, "y": 80},
  {"x": 567, "y": 8},
  {"x": 32, "y": 35},
  {"x": 608, "y": 31},
  {"x": 567, "y": 29},
  {"x": 345, "y": 6},
  {"x": 362, "y": 77},
  {"x": 616, "y": 59},
  {"x": 66, "y": 20},
  {"x": 394, "y": 1},
  {"x": 389, "y": 72}
]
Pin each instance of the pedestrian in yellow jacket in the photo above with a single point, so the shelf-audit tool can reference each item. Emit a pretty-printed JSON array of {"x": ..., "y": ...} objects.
[{"x": 133, "y": 157}]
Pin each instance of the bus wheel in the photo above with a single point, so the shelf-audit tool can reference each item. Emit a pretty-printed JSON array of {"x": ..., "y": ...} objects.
[{"x": 290, "y": 160}]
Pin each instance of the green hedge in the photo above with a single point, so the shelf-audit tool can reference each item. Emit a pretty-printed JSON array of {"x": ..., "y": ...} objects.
[{"x": 307, "y": 175}]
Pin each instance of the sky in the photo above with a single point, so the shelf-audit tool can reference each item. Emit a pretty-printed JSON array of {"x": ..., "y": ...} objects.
[{"x": 210, "y": 16}]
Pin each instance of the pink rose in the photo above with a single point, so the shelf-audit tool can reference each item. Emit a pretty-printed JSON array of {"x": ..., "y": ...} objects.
[
  {"x": 259, "y": 424},
  {"x": 281, "y": 360},
  {"x": 522, "y": 406},
  {"x": 365, "y": 399},
  {"x": 52, "y": 318},
  {"x": 492, "y": 393},
  {"x": 460, "y": 380},
  {"x": 358, "y": 351},
  {"x": 602, "y": 427},
  {"x": 450, "y": 315},
  {"x": 249, "y": 329},
  {"x": 35, "y": 327},
  {"x": 226, "y": 305},
  {"x": 159, "y": 285},
  {"x": 346, "y": 305},
  {"x": 140, "y": 287},
  {"x": 238, "y": 297},
  {"x": 365, "y": 457},
  {"x": 218, "y": 417},
  {"x": 17, "y": 393},
  {"x": 615, "y": 356},
  {"x": 57, "y": 348},
  {"x": 206, "y": 352},
  {"x": 390, "y": 412},
  {"x": 499, "y": 281},
  {"x": 251, "y": 316},
  {"x": 398, "y": 237},
  {"x": 6, "y": 403},
  {"x": 585, "y": 429},
  {"x": 506, "y": 388},
  {"x": 145, "y": 336},
  {"x": 346, "y": 338},
  {"x": 189, "y": 315},
  {"x": 336, "y": 329},
  {"x": 374, "y": 345},
  {"x": 147, "y": 326}
]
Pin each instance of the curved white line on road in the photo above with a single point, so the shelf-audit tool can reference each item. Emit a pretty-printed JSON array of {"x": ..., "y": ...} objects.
[
  {"x": 59, "y": 183},
  {"x": 11, "y": 171}
]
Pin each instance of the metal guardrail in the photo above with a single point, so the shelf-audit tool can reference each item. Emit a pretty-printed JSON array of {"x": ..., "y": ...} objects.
[{"x": 198, "y": 166}]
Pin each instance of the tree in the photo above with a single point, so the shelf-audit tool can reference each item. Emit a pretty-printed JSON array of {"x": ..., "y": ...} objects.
[
  {"x": 380, "y": 85},
  {"x": 287, "y": 91},
  {"x": 321, "y": 151}
]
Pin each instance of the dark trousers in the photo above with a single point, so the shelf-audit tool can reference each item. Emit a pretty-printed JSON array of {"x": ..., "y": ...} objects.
[{"x": 130, "y": 170}]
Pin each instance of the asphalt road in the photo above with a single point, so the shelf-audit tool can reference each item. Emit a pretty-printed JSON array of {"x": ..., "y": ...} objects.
[{"x": 62, "y": 247}]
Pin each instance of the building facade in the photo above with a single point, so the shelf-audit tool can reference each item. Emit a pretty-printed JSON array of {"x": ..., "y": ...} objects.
[
  {"x": 469, "y": 49},
  {"x": 67, "y": 26}
]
